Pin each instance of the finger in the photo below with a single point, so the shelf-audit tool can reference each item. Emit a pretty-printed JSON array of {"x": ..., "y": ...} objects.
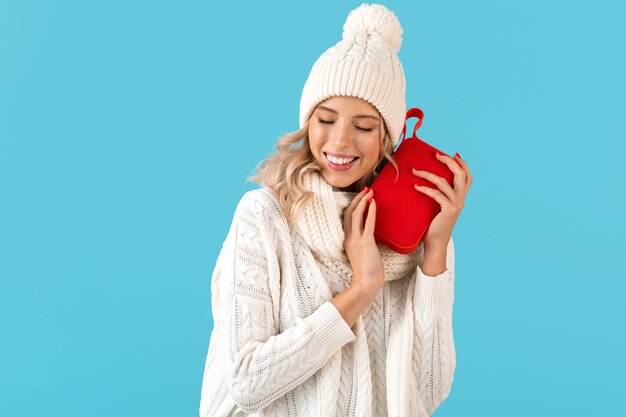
[
  {"x": 468, "y": 175},
  {"x": 435, "y": 194},
  {"x": 438, "y": 181},
  {"x": 357, "y": 214},
  {"x": 370, "y": 221},
  {"x": 347, "y": 214},
  {"x": 459, "y": 174}
]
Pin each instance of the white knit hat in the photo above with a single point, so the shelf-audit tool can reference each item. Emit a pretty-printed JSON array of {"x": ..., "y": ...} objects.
[{"x": 363, "y": 64}]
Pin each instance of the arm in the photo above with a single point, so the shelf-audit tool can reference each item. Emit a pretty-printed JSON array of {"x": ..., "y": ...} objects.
[
  {"x": 352, "y": 301},
  {"x": 434, "y": 259},
  {"x": 434, "y": 356},
  {"x": 263, "y": 365}
]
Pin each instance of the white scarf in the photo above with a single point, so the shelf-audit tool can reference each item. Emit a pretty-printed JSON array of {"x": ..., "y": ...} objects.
[{"x": 320, "y": 224}]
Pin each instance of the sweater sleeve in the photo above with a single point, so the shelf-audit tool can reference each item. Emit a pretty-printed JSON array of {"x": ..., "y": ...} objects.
[
  {"x": 434, "y": 356},
  {"x": 263, "y": 364}
]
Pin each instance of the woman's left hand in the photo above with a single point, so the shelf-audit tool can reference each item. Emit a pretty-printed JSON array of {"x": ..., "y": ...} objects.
[{"x": 451, "y": 200}]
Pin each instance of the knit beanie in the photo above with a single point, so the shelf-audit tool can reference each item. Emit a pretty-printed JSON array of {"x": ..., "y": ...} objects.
[{"x": 363, "y": 64}]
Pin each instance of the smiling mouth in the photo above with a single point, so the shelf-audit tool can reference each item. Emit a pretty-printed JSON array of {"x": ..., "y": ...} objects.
[
  {"x": 353, "y": 159},
  {"x": 339, "y": 167}
]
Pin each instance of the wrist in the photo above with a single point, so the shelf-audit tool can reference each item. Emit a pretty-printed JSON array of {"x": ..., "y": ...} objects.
[
  {"x": 364, "y": 290},
  {"x": 436, "y": 245},
  {"x": 434, "y": 259}
]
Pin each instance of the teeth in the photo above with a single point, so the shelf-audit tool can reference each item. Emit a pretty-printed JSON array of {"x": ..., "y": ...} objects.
[{"x": 339, "y": 161}]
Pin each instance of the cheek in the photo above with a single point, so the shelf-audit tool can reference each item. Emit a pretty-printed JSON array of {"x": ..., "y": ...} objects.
[
  {"x": 316, "y": 139},
  {"x": 315, "y": 132},
  {"x": 372, "y": 150}
]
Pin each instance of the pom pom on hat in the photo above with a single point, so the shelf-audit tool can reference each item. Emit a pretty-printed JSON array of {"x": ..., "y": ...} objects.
[
  {"x": 374, "y": 19},
  {"x": 363, "y": 64}
]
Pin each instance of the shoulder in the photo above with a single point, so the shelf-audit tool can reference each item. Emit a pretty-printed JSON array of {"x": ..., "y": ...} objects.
[
  {"x": 260, "y": 205},
  {"x": 259, "y": 199},
  {"x": 262, "y": 196}
]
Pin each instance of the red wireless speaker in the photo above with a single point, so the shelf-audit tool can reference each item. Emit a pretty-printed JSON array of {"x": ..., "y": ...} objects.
[{"x": 403, "y": 213}]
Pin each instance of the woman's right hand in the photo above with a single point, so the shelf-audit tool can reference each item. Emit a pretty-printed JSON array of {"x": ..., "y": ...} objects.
[{"x": 360, "y": 245}]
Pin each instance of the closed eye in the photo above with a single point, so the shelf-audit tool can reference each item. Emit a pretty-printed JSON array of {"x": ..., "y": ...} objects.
[{"x": 327, "y": 122}]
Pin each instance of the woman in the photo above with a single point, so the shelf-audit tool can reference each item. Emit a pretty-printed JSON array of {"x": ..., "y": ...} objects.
[{"x": 312, "y": 316}]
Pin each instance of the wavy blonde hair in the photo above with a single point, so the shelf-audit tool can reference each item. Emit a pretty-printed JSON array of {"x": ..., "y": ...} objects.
[{"x": 283, "y": 171}]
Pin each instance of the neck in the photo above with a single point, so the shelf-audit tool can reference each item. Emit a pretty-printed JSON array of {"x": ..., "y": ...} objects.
[{"x": 349, "y": 188}]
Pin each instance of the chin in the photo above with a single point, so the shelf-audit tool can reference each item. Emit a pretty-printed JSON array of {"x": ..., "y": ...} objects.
[
  {"x": 342, "y": 179},
  {"x": 339, "y": 182}
]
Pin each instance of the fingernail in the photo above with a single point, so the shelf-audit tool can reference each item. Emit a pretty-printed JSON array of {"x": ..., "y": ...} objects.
[
  {"x": 363, "y": 188},
  {"x": 459, "y": 155},
  {"x": 369, "y": 201},
  {"x": 439, "y": 154}
]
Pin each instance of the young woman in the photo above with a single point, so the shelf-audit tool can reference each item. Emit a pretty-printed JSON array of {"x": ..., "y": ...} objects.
[{"x": 312, "y": 316}]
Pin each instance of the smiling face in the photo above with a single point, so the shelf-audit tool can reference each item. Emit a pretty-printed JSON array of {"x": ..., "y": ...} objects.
[{"x": 349, "y": 128}]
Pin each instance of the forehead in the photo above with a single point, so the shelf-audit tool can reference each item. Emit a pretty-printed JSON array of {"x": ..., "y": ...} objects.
[{"x": 345, "y": 104}]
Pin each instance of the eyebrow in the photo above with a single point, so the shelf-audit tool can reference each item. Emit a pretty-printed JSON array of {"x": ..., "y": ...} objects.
[{"x": 360, "y": 116}]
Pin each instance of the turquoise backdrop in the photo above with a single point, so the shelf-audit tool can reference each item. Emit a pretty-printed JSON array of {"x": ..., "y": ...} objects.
[{"x": 127, "y": 132}]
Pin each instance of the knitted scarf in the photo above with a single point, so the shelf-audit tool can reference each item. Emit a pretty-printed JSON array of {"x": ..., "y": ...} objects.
[{"x": 320, "y": 224}]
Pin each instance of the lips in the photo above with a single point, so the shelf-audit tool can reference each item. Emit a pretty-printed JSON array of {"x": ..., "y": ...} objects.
[
  {"x": 339, "y": 167},
  {"x": 341, "y": 155}
]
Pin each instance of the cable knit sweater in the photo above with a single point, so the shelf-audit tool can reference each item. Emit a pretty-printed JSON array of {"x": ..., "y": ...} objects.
[{"x": 279, "y": 347}]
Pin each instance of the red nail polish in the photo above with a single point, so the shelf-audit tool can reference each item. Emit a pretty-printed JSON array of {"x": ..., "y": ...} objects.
[
  {"x": 363, "y": 188},
  {"x": 369, "y": 201},
  {"x": 459, "y": 155}
]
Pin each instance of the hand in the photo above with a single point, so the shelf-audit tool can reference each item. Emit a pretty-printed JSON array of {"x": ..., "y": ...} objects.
[
  {"x": 360, "y": 244},
  {"x": 451, "y": 200}
]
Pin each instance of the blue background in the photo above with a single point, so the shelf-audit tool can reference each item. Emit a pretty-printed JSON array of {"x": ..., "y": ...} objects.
[{"x": 127, "y": 132}]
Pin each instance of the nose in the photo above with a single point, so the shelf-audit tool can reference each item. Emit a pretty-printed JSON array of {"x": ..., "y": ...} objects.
[{"x": 342, "y": 139}]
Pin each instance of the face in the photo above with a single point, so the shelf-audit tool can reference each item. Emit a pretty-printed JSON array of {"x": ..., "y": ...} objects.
[{"x": 347, "y": 127}]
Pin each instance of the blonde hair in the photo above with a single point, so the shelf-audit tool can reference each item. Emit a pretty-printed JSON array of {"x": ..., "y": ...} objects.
[{"x": 283, "y": 171}]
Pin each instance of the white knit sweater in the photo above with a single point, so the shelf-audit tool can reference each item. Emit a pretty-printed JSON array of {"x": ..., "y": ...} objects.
[{"x": 279, "y": 347}]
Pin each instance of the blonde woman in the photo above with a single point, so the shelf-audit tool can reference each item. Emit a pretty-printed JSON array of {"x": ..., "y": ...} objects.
[{"x": 312, "y": 316}]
